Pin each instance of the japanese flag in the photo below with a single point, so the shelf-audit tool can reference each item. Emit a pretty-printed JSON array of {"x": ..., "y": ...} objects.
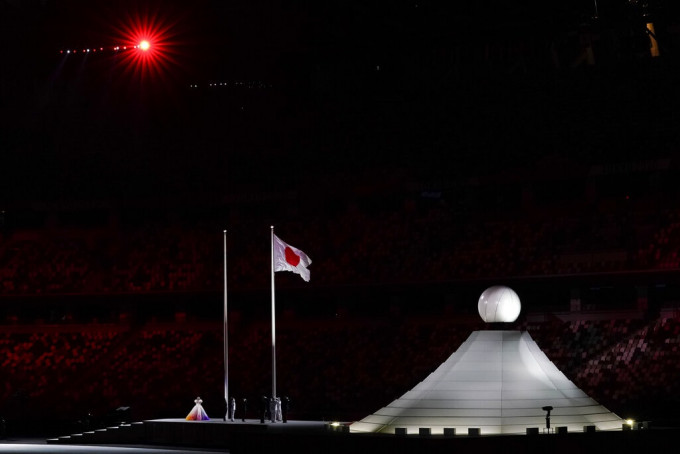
[{"x": 289, "y": 258}]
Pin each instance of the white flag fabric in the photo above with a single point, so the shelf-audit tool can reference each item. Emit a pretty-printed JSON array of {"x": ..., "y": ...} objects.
[{"x": 289, "y": 258}]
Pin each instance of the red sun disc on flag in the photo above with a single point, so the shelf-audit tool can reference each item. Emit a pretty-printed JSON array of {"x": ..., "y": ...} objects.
[{"x": 291, "y": 257}]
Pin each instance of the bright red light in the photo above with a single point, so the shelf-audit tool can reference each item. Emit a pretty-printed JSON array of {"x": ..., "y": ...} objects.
[{"x": 147, "y": 37}]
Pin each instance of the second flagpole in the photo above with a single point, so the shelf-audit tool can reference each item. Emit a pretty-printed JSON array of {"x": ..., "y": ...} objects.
[
  {"x": 226, "y": 333},
  {"x": 273, "y": 319}
]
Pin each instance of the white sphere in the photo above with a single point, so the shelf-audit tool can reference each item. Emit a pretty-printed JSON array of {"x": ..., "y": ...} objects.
[{"x": 499, "y": 304}]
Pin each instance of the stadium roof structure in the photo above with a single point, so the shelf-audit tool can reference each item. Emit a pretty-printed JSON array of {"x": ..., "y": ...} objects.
[{"x": 499, "y": 382}]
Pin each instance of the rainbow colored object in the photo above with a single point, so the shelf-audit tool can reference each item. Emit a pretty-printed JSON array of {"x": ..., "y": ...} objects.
[{"x": 197, "y": 413}]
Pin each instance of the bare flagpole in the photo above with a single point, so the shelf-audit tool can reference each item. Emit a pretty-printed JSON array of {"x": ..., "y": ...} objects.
[
  {"x": 226, "y": 333},
  {"x": 273, "y": 321}
]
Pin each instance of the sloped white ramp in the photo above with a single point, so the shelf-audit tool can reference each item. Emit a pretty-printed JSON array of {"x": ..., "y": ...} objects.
[{"x": 497, "y": 381}]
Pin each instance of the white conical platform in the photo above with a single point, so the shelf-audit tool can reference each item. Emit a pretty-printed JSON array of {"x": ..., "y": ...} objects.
[{"x": 497, "y": 381}]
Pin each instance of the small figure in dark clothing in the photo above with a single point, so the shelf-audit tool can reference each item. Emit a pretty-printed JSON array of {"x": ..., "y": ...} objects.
[
  {"x": 272, "y": 409},
  {"x": 265, "y": 409},
  {"x": 245, "y": 409},
  {"x": 285, "y": 404}
]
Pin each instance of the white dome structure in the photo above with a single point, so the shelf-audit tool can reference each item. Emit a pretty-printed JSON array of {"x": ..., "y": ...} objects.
[
  {"x": 499, "y": 304},
  {"x": 497, "y": 382}
]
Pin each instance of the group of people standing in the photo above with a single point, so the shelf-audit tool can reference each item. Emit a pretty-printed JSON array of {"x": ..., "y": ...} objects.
[{"x": 273, "y": 409}]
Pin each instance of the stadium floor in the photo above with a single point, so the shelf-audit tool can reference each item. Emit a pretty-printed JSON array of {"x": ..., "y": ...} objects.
[{"x": 39, "y": 446}]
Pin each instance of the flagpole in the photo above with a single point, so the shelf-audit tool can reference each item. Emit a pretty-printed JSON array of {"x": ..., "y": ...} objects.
[
  {"x": 273, "y": 320},
  {"x": 226, "y": 333}
]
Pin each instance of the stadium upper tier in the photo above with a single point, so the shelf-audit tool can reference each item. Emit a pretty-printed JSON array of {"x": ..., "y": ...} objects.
[{"x": 398, "y": 240}]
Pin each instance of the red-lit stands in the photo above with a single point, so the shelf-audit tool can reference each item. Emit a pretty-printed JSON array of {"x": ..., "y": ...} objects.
[
  {"x": 628, "y": 365},
  {"x": 403, "y": 239},
  {"x": 407, "y": 242},
  {"x": 45, "y": 364},
  {"x": 36, "y": 263},
  {"x": 330, "y": 368}
]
